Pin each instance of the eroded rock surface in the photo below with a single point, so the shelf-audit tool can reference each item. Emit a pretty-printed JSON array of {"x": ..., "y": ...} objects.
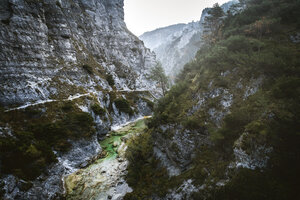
[
  {"x": 105, "y": 179},
  {"x": 52, "y": 49}
]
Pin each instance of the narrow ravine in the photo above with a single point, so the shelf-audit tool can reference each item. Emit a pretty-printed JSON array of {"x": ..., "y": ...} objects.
[{"x": 104, "y": 179}]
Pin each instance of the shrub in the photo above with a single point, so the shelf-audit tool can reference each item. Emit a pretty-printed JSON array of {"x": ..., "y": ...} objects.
[
  {"x": 58, "y": 4},
  {"x": 79, "y": 124},
  {"x": 31, "y": 149},
  {"x": 143, "y": 175},
  {"x": 239, "y": 43},
  {"x": 110, "y": 80},
  {"x": 150, "y": 104},
  {"x": 88, "y": 69},
  {"x": 68, "y": 106},
  {"x": 98, "y": 110},
  {"x": 192, "y": 123},
  {"x": 123, "y": 106}
]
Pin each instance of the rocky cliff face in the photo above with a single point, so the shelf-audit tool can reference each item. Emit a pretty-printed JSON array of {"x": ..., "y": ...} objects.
[
  {"x": 223, "y": 126},
  {"x": 51, "y": 49},
  {"x": 176, "y": 45},
  {"x": 62, "y": 59}
]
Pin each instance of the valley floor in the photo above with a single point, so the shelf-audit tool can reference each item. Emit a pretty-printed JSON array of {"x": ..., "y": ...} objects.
[{"x": 104, "y": 179}]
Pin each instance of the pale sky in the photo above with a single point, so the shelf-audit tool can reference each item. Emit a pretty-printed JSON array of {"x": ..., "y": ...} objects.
[{"x": 147, "y": 15}]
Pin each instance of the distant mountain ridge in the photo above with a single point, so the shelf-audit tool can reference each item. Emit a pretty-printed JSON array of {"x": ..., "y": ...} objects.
[{"x": 177, "y": 44}]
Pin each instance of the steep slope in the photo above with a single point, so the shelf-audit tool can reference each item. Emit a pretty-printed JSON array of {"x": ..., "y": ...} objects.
[
  {"x": 228, "y": 129},
  {"x": 153, "y": 39},
  {"x": 69, "y": 71},
  {"x": 176, "y": 45},
  {"x": 51, "y": 47}
]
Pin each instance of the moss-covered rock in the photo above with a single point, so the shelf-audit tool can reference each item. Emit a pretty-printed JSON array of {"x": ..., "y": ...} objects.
[
  {"x": 98, "y": 110},
  {"x": 123, "y": 106},
  {"x": 37, "y": 133}
]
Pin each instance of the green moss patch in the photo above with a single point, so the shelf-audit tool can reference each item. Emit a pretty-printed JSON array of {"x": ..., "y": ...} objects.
[
  {"x": 98, "y": 110},
  {"x": 37, "y": 132},
  {"x": 110, "y": 144},
  {"x": 123, "y": 106}
]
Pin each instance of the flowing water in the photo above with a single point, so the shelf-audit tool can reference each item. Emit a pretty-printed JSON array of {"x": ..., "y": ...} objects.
[{"x": 105, "y": 178}]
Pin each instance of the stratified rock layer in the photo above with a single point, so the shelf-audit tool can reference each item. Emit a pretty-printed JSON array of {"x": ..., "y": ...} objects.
[{"x": 51, "y": 49}]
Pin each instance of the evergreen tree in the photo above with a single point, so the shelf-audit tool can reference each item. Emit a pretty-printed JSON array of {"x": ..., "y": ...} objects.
[
  {"x": 158, "y": 75},
  {"x": 213, "y": 24}
]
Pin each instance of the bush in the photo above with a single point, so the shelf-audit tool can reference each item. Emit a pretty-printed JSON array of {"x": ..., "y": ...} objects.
[
  {"x": 192, "y": 123},
  {"x": 110, "y": 80},
  {"x": 24, "y": 159},
  {"x": 79, "y": 124},
  {"x": 239, "y": 43},
  {"x": 123, "y": 106},
  {"x": 68, "y": 106},
  {"x": 88, "y": 69},
  {"x": 98, "y": 110},
  {"x": 31, "y": 149},
  {"x": 143, "y": 174},
  {"x": 150, "y": 104},
  {"x": 252, "y": 184}
]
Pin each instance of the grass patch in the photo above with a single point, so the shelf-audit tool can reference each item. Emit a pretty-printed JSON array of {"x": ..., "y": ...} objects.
[
  {"x": 37, "y": 133},
  {"x": 110, "y": 144}
]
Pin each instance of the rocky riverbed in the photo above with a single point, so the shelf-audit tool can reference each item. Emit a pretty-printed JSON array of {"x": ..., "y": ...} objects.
[{"x": 104, "y": 179}]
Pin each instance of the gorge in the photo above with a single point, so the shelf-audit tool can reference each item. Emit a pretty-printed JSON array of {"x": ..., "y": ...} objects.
[{"x": 80, "y": 117}]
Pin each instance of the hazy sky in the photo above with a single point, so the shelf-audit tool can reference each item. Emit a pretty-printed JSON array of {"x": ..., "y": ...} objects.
[{"x": 147, "y": 15}]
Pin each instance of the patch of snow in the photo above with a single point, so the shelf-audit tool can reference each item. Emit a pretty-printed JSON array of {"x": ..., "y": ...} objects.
[{"x": 222, "y": 183}]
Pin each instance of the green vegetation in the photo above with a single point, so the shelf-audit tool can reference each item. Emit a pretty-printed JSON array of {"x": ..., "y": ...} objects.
[
  {"x": 144, "y": 173},
  {"x": 158, "y": 75},
  {"x": 150, "y": 104},
  {"x": 110, "y": 80},
  {"x": 37, "y": 134},
  {"x": 249, "y": 50},
  {"x": 213, "y": 24},
  {"x": 123, "y": 106},
  {"x": 88, "y": 69},
  {"x": 98, "y": 110},
  {"x": 110, "y": 144}
]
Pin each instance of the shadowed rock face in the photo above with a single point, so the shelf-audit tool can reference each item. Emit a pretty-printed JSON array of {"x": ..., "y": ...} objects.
[
  {"x": 45, "y": 45},
  {"x": 105, "y": 178},
  {"x": 52, "y": 50}
]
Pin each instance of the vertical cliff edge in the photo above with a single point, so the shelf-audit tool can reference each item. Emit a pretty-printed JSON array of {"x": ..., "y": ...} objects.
[
  {"x": 70, "y": 70},
  {"x": 52, "y": 49}
]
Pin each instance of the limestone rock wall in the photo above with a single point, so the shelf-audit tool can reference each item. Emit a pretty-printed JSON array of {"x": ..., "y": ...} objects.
[{"x": 51, "y": 49}]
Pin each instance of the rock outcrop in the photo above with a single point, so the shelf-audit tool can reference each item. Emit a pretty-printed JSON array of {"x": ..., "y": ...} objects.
[
  {"x": 77, "y": 54},
  {"x": 52, "y": 49},
  {"x": 174, "y": 45}
]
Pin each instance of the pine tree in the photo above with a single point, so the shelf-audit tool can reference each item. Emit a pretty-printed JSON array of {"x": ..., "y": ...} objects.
[
  {"x": 158, "y": 75},
  {"x": 213, "y": 24}
]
